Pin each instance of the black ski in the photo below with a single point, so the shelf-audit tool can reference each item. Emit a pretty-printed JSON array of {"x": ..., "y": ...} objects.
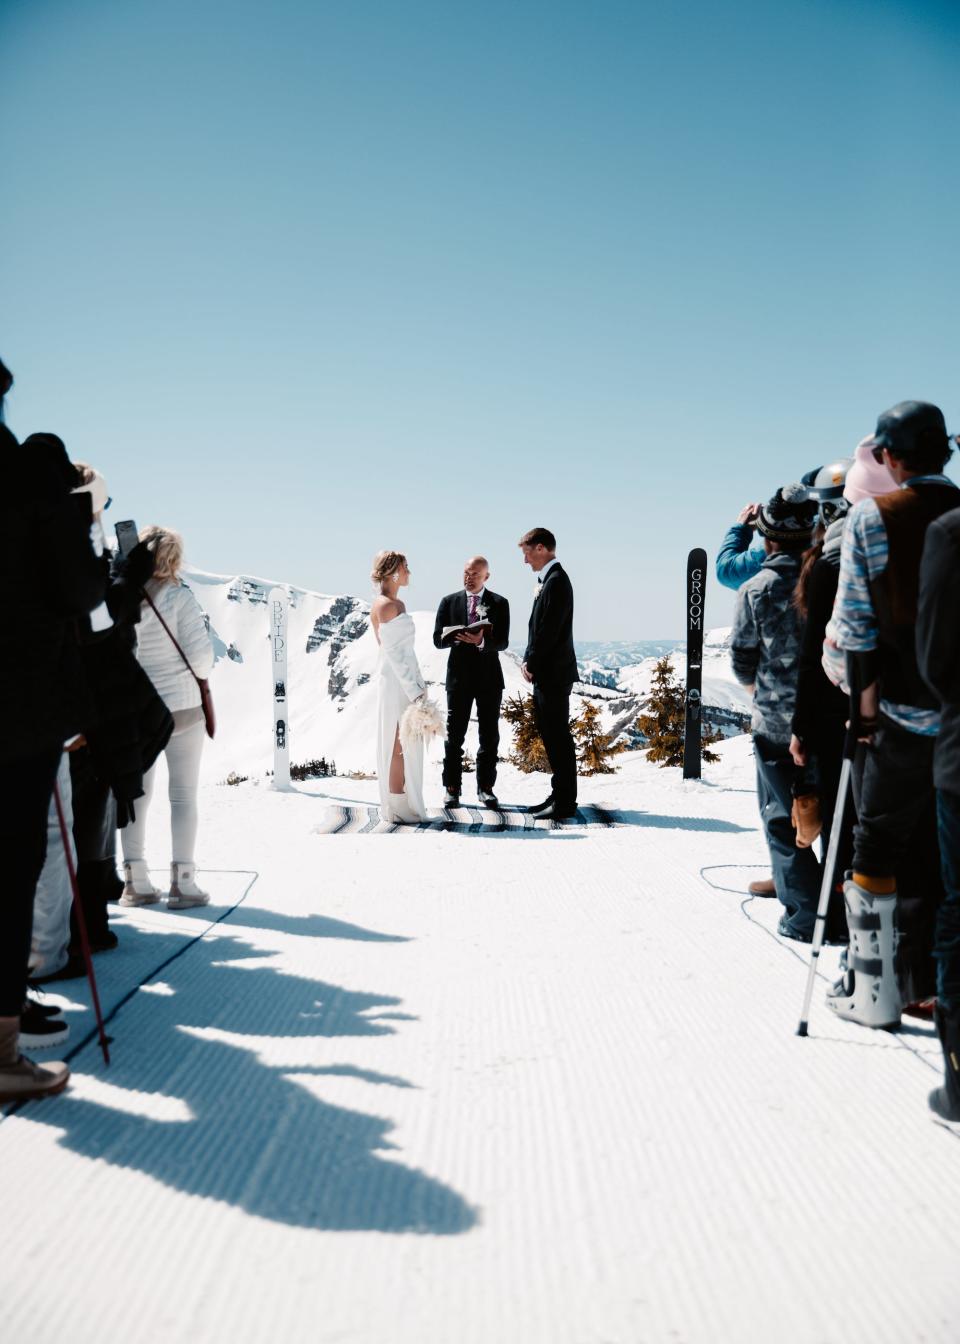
[{"x": 693, "y": 729}]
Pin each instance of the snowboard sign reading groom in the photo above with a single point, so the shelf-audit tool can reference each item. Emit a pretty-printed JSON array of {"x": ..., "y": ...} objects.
[{"x": 550, "y": 663}]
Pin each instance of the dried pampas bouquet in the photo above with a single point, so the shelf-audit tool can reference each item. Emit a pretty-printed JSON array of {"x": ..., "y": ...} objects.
[{"x": 421, "y": 720}]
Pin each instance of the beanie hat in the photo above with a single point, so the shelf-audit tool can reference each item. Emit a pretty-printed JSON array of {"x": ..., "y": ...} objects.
[
  {"x": 867, "y": 479},
  {"x": 789, "y": 517},
  {"x": 912, "y": 429}
]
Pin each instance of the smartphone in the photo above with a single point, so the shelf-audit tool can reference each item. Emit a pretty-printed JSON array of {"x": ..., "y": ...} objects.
[{"x": 127, "y": 536}]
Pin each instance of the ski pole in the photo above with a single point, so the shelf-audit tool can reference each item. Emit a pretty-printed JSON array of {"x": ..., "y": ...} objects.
[
  {"x": 81, "y": 923},
  {"x": 833, "y": 848}
]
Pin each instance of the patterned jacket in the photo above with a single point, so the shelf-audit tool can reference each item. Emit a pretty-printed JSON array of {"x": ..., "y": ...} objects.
[{"x": 765, "y": 644}]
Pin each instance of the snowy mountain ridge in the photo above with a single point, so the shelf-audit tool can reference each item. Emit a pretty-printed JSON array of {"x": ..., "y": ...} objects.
[{"x": 331, "y": 687}]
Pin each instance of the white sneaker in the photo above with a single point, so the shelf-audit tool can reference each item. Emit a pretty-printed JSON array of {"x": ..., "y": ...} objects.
[
  {"x": 137, "y": 887},
  {"x": 184, "y": 891}
]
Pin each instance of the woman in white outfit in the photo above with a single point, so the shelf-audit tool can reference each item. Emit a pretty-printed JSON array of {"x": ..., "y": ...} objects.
[
  {"x": 179, "y": 691},
  {"x": 399, "y": 767}
]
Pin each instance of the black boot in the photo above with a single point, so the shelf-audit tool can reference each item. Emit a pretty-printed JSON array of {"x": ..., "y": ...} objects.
[{"x": 946, "y": 1100}]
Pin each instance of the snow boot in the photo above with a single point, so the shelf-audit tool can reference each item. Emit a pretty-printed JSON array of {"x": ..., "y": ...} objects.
[
  {"x": 20, "y": 1078},
  {"x": 184, "y": 891},
  {"x": 762, "y": 886},
  {"x": 137, "y": 887},
  {"x": 945, "y": 1101},
  {"x": 868, "y": 991},
  {"x": 399, "y": 810}
]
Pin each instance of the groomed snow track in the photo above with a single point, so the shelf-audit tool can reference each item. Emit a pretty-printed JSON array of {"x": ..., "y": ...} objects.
[{"x": 471, "y": 1089}]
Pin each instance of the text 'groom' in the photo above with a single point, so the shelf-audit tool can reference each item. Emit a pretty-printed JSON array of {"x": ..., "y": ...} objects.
[{"x": 474, "y": 624}]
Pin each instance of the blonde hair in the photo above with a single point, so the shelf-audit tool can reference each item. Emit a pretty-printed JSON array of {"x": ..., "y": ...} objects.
[
  {"x": 167, "y": 548},
  {"x": 386, "y": 564}
]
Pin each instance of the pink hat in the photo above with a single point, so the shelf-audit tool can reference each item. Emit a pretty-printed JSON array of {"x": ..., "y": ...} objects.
[{"x": 866, "y": 478}]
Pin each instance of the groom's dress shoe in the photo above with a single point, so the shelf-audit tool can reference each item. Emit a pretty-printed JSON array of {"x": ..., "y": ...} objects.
[
  {"x": 451, "y": 799},
  {"x": 538, "y": 807},
  {"x": 555, "y": 812},
  {"x": 488, "y": 799}
]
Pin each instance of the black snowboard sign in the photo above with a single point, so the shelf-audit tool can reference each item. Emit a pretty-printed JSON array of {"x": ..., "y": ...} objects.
[{"x": 693, "y": 727}]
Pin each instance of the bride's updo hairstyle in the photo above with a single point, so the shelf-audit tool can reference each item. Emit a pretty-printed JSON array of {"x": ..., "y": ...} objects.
[{"x": 386, "y": 564}]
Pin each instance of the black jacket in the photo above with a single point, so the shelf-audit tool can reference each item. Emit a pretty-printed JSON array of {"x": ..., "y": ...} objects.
[
  {"x": 938, "y": 640},
  {"x": 477, "y": 669},
  {"x": 51, "y": 577},
  {"x": 821, "y": 708},
  {"x": 550, "y": 657},
  {"x": 124, "y": 720}
]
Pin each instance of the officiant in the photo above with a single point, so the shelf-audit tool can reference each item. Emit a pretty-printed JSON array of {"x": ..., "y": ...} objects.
[{"x": 477, "y": 625}]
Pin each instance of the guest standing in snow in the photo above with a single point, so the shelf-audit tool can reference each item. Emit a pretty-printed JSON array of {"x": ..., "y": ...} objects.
[
  {"x": 820, "y": 711},
  {"x": 740, "y": 556},
  {"x": 765, "y": 647},
  {"x": 52, "y": 577},
  {"x": 938, "y": 656},
  {"x": 874, "y": 625},
  {"x": 177, "y": 685}
]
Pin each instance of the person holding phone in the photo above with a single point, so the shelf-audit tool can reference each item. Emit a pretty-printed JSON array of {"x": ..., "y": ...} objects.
[
  {"x": 172, "y": 617},
  {"x": 741, "y": 553}
]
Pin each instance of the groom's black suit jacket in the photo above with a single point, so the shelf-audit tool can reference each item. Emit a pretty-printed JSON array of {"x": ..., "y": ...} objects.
[
  {"x": 550, "y": 657},
  {"x": 468, "y": 666}
]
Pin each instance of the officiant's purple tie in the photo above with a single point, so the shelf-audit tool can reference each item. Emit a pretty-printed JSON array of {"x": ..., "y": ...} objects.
[{"x": 473, "y": 609}]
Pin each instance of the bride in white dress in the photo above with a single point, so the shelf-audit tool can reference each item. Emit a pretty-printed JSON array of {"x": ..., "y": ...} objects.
[{"x": 399, "y": 766}]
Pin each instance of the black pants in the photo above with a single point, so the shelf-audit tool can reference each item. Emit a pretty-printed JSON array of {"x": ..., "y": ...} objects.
[
  {"x": 95, "y": 834},
  {"x": 896, "y": 836},
  {"x": 460, "y": 701},
  {"x": 826, "y": 750},
  {"x": 948, "y": 920},
  {"x": 551, "y": 709},
  {"x": 27, "y": 788}
]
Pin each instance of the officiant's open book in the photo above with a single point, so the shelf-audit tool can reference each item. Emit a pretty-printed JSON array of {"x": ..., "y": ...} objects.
[{"x": 477, "y": 628}]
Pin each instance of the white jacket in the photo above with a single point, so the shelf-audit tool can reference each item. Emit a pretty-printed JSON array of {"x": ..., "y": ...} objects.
[{"x": 159, "y": 659}]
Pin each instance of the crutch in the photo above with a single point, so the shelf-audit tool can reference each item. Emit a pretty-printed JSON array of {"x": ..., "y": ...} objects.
[
  {"x": 81, "y": 923},
  {"x": 836, "y": 830}
]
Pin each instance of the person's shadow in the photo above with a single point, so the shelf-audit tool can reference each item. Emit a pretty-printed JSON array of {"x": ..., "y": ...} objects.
[{"x": 254, "y": 1137}]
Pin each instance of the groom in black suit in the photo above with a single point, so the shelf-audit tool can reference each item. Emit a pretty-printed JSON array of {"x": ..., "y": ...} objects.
[
  {"x": 550, "y": 663},
  {"x": 474, "y": 675}
]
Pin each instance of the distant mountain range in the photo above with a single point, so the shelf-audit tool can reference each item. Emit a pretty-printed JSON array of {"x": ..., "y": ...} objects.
[{"x": 332, "y": 690}]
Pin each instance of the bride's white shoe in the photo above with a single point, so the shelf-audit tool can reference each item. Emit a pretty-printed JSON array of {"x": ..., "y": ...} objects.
[{"x": 399, "y": 810}]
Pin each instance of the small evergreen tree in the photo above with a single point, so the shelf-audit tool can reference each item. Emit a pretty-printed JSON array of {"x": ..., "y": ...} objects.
[
  {"x": 594, "y": 747},
  {"x": 664, "y": 722},
  {"x": 528, "y": 752}
]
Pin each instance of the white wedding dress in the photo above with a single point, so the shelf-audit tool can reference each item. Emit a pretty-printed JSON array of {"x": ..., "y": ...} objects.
[{"x": 400, "y": 683}]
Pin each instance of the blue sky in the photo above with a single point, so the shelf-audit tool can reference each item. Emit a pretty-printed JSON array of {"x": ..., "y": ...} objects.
[{"x": 306, "y": 280}]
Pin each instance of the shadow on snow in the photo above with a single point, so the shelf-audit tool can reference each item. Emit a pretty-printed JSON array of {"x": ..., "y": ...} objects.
[{"x": 257, "y": 1138}]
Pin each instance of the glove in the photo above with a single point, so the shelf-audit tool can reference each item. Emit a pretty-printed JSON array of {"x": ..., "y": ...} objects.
[{"x": 135, "y": 568}]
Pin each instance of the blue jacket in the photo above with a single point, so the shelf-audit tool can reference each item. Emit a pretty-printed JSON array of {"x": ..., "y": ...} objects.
[{"x": 736, "y": 561}]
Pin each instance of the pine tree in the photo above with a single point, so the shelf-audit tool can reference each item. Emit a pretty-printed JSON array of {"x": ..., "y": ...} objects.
[
  {"x": 594, "y": 747},
  {"x": 528, "y": 752},
  {"x": 664, "y": 722}
]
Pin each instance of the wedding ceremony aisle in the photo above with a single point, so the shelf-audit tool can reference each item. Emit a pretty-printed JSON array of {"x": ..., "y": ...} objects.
[{"x": 483, "y": 1081}]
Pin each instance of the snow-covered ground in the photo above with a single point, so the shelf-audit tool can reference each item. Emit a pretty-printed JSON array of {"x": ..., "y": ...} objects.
[{"x": 480, "y": 1087}]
